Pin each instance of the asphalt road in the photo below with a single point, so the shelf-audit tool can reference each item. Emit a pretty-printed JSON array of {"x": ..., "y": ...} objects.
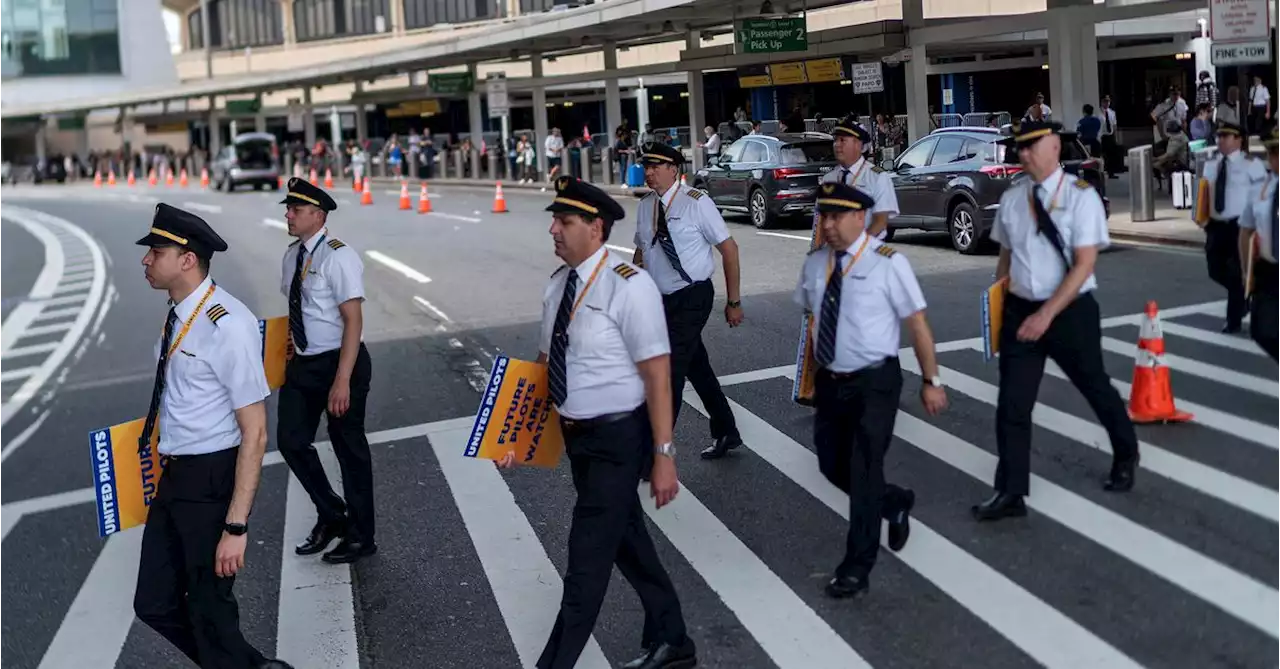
[{"x": 1179, "y": 573}]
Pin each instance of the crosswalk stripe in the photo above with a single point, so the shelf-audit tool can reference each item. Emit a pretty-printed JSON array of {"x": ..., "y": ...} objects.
[
  {"x": 1215, "y": 338},
  {"x": 1233, "y": 490},
  {"x": 786, "y": 628},
  {"x": 524, "y": 582},
  {"x": 1203, "y": 370},
  {"x": 34, "y": 349},
  {"x": 15, "y": 374},
  {"x": 1241, "y": 596},
  {"x": 95, "y": 628},
  {"x": 1040, "y": 630}
]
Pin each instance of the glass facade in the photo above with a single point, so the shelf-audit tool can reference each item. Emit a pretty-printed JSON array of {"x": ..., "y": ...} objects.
[
  {"x": 326, "y": 19},
  {"x": 427, "y": 13},
  {"x": 59, "y": 37},
  {"x": 235, "y": 24}
]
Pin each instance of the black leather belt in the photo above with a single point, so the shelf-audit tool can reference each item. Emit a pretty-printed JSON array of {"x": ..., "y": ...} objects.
[
  {"x": 165, "y": 459},
  {"x": 580, "y": 424},
  {"x": 849, "y": 375}
]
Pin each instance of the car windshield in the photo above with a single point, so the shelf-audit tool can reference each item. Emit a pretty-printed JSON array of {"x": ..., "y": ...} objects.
[{"x": 807, "y": 152}]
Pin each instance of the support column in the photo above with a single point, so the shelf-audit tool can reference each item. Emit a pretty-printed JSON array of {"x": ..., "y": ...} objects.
[
  {"x": 362, "y": 122},
  {"x": 215, "y": 127},
  {"x": 204, "y": 34},
  {"x": 642, "y": 107},
  {"x": 260, "y": 119},
  {"x": 286, "y": 22},
  {"x": 913, "y": 13},
  {"x": 539, "y": 113},
  {"x": 335, "y": 128},
  {"x": 42, "y": 151},
  {"x": 1073, "y": 66},
  {"x": 917, "y": 93},
  {"x": 397, "y": 16},
  {"x": 697, "y": 119},
  {"x": 612, "y": 94},
  {"x": 308, "y": 119},
  {"x": 1089, "y": 93}
]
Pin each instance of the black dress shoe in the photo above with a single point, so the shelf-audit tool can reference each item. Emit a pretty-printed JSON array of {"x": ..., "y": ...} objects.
[
  {"x": 1231, "y": 328},
  {"x": 900, "y": 523},
  {"x": 1001, "y": 505},
  {"x": 349, "y": 551},
  {"x": 723, "y": 445},
  {"x": 319, "y": 539},
  {"x": 1121, "y": 477},
  {"x": 844, "y": 587},
  {"x": 667, "y": 656}
]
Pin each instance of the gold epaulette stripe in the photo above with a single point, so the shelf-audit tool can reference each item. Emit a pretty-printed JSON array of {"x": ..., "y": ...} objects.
[
  {"x": 1083, "y": 184},
  {"x": 335, "y": 244},
  {"x": 215, "y": 312},
  {"x": 696, "y": 194},
  {"x": 886, "y": 251},
  {"x": 625, "y": 271}
]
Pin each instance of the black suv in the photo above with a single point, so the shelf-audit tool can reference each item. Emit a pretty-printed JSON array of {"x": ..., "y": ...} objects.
[
  {"x": 768, "y": 176},
  {"x": 952, "y": 180}
]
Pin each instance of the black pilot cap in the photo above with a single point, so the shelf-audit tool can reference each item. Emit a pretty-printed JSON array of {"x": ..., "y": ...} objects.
[
  {"x": 302, "y": 192},
  {"x": 1030, "y": 132},
  {"x": 847, "y": 127},
  {"x": 173, "y": 226},
  {"x": 838, "y": 197},
  {"x": 575, "y": 196},
  {"x": 655, "y": 153}
]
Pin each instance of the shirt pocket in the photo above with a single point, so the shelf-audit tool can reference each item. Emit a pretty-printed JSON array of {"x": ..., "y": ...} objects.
[{"x": 590, "y": 334}]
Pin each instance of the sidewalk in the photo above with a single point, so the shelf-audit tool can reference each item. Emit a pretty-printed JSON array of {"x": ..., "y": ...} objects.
[
  {"x": 1171, "y": 226},
  {"x": 392, "y": 182}
]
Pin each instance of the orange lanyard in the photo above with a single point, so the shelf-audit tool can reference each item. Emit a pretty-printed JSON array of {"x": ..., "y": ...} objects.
[
  {"x": 1053, "y": 201},
  {"x": 310, "y": 256},
  {"x": 831, "y": 259},
  {"x": 854, "y": 180},
  {"x": 583, "y": 294},
  {"x": 186, "y": 327},
  {"x": 675, "y": 190}
]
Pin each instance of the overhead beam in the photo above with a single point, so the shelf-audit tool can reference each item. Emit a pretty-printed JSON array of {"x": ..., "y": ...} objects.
[{"x": 969, "y": 30}]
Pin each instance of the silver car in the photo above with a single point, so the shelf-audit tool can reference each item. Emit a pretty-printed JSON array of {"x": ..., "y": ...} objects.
[{"x": 252, "y": 158}]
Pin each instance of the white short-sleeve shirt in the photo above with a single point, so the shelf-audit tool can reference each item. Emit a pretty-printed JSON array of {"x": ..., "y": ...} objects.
[
  {"x": 879, "y": 290},
  {"x": 618, "y": 323},
  {"x": 215, "y": 370},
  {"x": 1259, "y": 215},
  {"x": 1036, "y": 267},
  {"x": 871, "y": 180},
  {"x": 696, "y": 228},
  {"x": 1245, "y": 175},
  {"x": 334, "y": 275}
]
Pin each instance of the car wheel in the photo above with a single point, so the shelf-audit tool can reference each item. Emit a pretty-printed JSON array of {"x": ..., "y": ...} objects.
[
  {"x": 963, "y": 227},
  {"x": 759, "y": 208}
]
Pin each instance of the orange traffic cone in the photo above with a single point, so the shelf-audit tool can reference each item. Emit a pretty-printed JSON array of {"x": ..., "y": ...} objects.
[
  {"x": 367, "y": 196},
  {"x": 683, "y": 181},
  {"x": 1151, "y": 398},
  {"x": 111, "y": 177},
  {"x": 132, "y": 180},
  {"x": 405, "y": 203},
  {"x": 328, "y": 178},
  {"x": 151, "y": 177},
  {"x": 182, "y": 179},
  {"x": 424, "y": 202},
  {"x": 499, "y": 201},
  {"x": 355, "y": 184},
  {"x": 204, "y": 177},
  {"x": 280, "y": 181},
  {"x": 168, "y": 177},
  {"x": 314, "y": 181}
]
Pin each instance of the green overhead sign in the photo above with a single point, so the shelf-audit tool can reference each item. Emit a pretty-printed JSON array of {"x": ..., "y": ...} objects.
[
  {"x": 772, "y": 35},
  {"x": 450, "y": 83}
]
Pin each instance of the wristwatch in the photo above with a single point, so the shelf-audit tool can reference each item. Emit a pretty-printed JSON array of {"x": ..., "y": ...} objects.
[
  {"x": 668, "y": 449},
  {"x": 734, "y": 303},
  {"x": 236, "y": 529},
  {"x": 935, "y": 381}
]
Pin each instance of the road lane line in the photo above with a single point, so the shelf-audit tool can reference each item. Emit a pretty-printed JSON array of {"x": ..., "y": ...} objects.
[
  {"x": 1203, "y": 370},
  {"x": 1041, "y": 631},
  {"x": 51, "y": 274},
  {"x": 1238, "y": 595},
  {"x": 787, "y": 629},
  {"x": 454, "y": 217},
  {"x": 207, "y": 208},
  {"x": 525, "y": 584},
  {"x": 14, "y": 444},
  {"x": 1215, "y": 338},
  {"x": 432, "y": 308},
  {"x": 398, "y": 266},
  {"x": 275, "y": 223},
  {"x": 94, "y": 630},
  {"x": 784, "y": 235},
  {"x": 315, "y": 625}
]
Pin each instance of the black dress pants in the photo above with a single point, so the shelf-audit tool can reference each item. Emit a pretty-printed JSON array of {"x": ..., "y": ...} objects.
[
  {"x": 178, "y": 594},
  {"x": 1222, "y": 254},
  {"x": 687, "y": 311},
  {"x": 1074, "y": 341},
  {"x": 852, "y": 430},
  {"x": 1262, "y": 311},
  {"x": 303, "y": 399},
  {"x": 607, "y": 456}
]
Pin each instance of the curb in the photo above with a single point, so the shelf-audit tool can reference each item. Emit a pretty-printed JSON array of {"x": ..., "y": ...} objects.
[
  {"x": 1163, "y": 240},
  {"x": 638, "y": 191}
]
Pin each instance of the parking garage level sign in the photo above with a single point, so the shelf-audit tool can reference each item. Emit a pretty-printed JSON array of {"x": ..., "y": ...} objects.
[{"x": 773, "y": 35}]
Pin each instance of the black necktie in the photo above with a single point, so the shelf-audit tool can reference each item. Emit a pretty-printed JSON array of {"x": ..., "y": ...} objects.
[
  {"x": 157, "y": 387},
  {"x": 295, "y": 303},
  {"x": 825, "y": 353},
  {"x": 844, "y": 175},
  {"x": 1220, "y": 188},
  {"x": 663, "y": 237},
  {"x": 557, "y": 381},
  {"x": 1045, "y": 226},
  {"x": 1107, "y": 115}
]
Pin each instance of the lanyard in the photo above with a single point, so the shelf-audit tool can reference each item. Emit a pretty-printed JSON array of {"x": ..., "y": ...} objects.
[
  {"x": 675, "y": 190},
  {"x": 583, "y": 294},
  {"x": 191, "y": 319},
  {"x": 831, "y": 259},
  {"x": 310, "y": 256},
  {"x": 1053, "y": 201},
  {"x": 854, "y": 180}
]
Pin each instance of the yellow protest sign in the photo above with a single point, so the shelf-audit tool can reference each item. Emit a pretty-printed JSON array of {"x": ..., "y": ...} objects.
[
  {"x": 516, "y": 415},
  {"x": 125, "y": 480}
]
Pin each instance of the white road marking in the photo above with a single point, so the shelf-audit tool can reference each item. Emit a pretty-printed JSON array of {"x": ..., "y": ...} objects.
[
  {"x": 73, "y": 286},
  {"x": 455, "y": 217},
  {"x": 1044, "y": 633},
  {"x": 524, "y": 582},
  {"x": 786, "y": 628},
  {"x": 1215, "y": 338},
  {"x": 784, "y": 235},
  {"x": 58, "y": 313},
  {"x": 1203, "y": 370},
  {"x": 94, "y": 630},
  {"x": 275, "y": 223},
  {"x": 17, "y": 442},
  {"x": 398, "y": 266},
  {"x": 207, "y": 208},
  {"x": 60, "y": 301},
  {"x": 316, "y": 615},
  {"x": 15, "y": 374},
  {"x": 34, "y": 349},
  {"x": 432, "y": 308},
  {"x": 51, "y": 274},
  {"x": 621, "y": 249}
]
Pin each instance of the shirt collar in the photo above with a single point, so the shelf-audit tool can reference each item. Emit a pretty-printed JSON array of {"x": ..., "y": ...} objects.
[
  {"x": 1235, "y": 155},
  {"x": 311, "y": 244},
  {"x": 852, "y": 169},
  {"x": 664, "y": 197},
  {"x": 188, "y": 304},
  {"x": 589, "y": 264},
  {"x": 1051, "y": 183},
  {"x": 853, "y": 248}
]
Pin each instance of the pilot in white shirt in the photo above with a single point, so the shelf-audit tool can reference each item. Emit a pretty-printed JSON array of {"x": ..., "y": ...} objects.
[
  {"x": 329, "y": 374},
  {"x": 208, "y": 397},
  {"x": 677, "y": 228},
  {"x": 855, "y": 170},
  {"x": 604, "y": 341},
  {"x": 858, "y": 291},
  {"x": 1050, "y": 227},
  {"x": 1260, "y": 216},
  {"x": 1223, "y": 195}
]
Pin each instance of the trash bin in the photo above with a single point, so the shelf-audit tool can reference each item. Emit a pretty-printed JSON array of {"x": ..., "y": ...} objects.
[{"x": 635, "y": 175}]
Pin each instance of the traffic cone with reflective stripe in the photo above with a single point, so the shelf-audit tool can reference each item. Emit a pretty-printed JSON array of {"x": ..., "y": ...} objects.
[
  {"x": 97, "y": 178},
  {"x": 182, "y": 179},
  {"x": 424, "y": 202},
  {"x": 499, "y": 201},
  {"x": 111, "y": 177},
  {"x": 367, "y": 196},
  {"x": 314, "y": 180},
  {"x": 151, "y": 177},
  {"x": 1151, "y": 398},
  {"x": 168, "y": 177},
  {"x": 132, "y": 179},
  {"x": 328, "y": 178},
  {"x": 405, "y": 203},
  {"x": 204, "y": 177}
]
